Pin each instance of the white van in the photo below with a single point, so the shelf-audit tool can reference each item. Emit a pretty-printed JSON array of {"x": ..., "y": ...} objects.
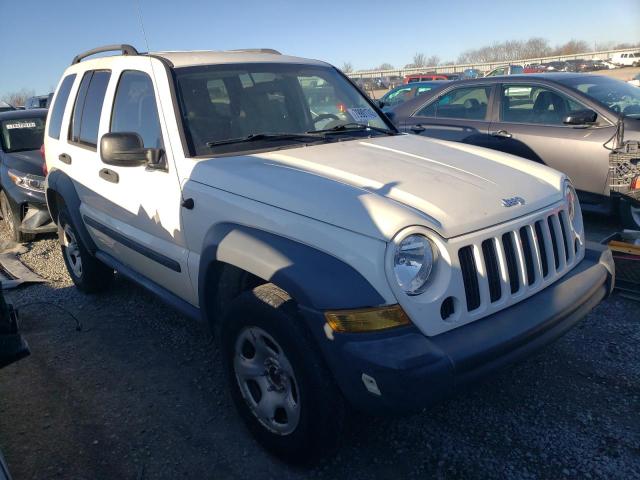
[{"x": 628, "y": 59}]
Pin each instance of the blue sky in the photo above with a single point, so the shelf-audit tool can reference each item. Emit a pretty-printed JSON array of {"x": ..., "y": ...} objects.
[{"x": 38, "y": 38}]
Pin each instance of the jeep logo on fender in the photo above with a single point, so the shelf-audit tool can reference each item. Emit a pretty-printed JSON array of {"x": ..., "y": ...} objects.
[{"x": 512, "y": 202}]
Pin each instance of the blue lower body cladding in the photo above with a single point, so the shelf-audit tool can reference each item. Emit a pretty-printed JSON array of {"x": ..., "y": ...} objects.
[{"x": 412, "y": 371}]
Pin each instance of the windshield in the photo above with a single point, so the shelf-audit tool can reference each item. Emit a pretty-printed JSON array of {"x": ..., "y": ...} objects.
[
  {"x": 618, "y": 96},
  {"x": 219, "y": 103},
  {"x": 20, "y": 134}
]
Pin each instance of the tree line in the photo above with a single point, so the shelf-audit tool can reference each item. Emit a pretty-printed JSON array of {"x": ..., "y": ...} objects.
[{"x": 506, "y": 51}]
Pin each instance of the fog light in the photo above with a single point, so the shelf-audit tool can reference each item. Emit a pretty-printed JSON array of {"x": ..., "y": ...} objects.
[{"x": 367, "y": 319}]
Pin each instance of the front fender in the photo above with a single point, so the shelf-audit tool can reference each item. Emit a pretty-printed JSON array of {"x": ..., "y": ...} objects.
[{"x": 314, "y": 278}]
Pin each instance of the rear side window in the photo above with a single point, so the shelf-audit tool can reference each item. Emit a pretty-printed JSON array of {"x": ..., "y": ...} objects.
[
  {"x": 55, "y": 122},
  {"x": 135, "y": 109},
  {"x": 88, "y": 107}
]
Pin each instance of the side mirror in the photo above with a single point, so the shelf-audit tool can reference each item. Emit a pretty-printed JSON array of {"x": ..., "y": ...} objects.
[
  {"x": 580, "y": 117},
  {"x": 126, "y": 149},
  {"x": 380, "y": 103}
]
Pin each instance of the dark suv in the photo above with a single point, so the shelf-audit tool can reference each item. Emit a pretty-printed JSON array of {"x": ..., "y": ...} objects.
[{"x": 22, "y": 203}]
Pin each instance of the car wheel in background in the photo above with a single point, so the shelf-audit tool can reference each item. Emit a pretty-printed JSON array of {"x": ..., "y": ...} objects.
[
  {"x": 87, "y": 272},
  {"x": 630, "y": 216},
  {"x": 11, "y": 220},
  {"x": 278, "y": 380}
]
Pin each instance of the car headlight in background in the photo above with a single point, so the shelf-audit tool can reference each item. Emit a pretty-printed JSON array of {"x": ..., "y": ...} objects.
[
  {"x": 413, "y": 261},
  {"x": 34, "y": 183}
]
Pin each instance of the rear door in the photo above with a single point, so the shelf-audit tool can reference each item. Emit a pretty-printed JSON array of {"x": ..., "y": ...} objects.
[
  {"x": 460, "y": 114},
  {"x": 529, "y": 124}
]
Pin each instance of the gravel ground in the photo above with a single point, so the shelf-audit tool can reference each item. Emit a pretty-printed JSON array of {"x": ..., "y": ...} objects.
[{"x": 138, "y": 393}]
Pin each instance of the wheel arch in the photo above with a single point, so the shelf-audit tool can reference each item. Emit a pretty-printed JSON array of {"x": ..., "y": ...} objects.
[
  {"x": 246, "y": 257},
  {"x": 61, "y": 192}
]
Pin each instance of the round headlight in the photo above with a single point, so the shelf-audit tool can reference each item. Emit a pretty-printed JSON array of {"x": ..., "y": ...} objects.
[
  {"x": 412, "y": 263},
  {"x": 572, "y": 202}
]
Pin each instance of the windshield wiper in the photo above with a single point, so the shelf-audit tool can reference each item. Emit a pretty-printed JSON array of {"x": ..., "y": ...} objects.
[
  {"x": 264, "y": 136},
  {"x": 354, "y": 126}
]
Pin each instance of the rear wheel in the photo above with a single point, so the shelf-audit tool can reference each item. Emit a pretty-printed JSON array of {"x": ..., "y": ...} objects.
[
  {"x": 87, "y": 272},
  {"x": 278, "y": 380},
  {"x": 11, "y": 221}
]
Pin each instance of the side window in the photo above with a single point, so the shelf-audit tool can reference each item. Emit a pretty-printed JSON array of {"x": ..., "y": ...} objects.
[
  {"x": 135, "y": 109},
  {"x": 55, "y": 121},
  {"x": 88, "y": 107},
  {"x": 468, "y": 103},
  {"x": 535, "y": 104}
]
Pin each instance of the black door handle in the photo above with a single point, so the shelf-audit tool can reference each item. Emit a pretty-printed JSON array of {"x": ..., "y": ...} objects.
[
  {"x": 109, "y": 175},
  {"x": 501, "y": 134},
  {"x": 418, "y": 129},
  {"x": 65, "y": 158}
]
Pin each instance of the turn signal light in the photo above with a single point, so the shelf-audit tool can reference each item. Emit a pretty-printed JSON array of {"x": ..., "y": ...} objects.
[
  {"x": 635, "y": 183},
  {"x": 367, "y": 319}
]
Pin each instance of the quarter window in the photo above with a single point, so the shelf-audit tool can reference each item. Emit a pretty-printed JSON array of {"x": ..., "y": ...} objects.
[
  {"x": 135, "y": 109},
  {"x": 55, "y": 122},
  {"x": 88, "y": 107},
  {"x": 535, "y": 104},
  {"x": 468, "y": 103}
]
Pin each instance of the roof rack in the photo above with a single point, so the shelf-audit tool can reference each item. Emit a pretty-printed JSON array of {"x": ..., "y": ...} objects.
[
  {"x": 124, "y": 48},
  {"x": 256, "y": 50}
]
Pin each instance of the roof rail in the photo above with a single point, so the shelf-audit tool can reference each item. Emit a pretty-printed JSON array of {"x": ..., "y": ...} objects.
[
  {"x": 256, "y": 50},
  {"x": 124, "y": 48}
]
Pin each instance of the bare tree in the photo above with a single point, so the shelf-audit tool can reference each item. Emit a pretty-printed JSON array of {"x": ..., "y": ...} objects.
[
  {"x": 419, "y": 60},
  {"x": 385, "y": 66},
  {"x": 347, "y": 67},
  {"x": 17, "y": 99},
  {"x": 572, "y": 47},
  {"x": 433, "y": 61}
]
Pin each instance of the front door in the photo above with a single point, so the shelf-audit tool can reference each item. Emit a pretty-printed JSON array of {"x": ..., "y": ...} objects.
[
  {"x": 460, "y": 114},
  {"x": 530, "y": 125},
  {"x": 133, "y": 212}
]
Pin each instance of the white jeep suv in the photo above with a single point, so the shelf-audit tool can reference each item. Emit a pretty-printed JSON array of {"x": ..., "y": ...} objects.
[{"x": 339, "y": 262}]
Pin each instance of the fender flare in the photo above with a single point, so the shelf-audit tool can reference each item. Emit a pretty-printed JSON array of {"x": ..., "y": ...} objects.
[
  {"x": 313, "y": 278},
  {"x": 60, "y": 183}
]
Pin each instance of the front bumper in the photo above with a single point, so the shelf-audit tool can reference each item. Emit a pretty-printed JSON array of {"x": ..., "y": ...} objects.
[
  {"x": 412, "y": 371},
  {"x": 32, "y": 207}
]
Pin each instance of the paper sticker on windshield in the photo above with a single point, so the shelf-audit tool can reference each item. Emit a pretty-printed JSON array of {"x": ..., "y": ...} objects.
[
  {"x": 11, "y": 126},
  {"x": 362, "y": 115}
]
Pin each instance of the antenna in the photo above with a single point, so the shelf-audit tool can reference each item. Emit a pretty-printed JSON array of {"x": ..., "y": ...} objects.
[{"x": 144, "y": 33}]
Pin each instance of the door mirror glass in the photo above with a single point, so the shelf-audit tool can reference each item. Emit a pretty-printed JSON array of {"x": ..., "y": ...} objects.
[
  {"x": 125, "y": 149},
  {"x": 580, "y": 117}
]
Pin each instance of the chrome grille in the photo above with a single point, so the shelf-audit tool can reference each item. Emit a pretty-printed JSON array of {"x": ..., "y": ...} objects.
[{"x": 513, "y": 262}]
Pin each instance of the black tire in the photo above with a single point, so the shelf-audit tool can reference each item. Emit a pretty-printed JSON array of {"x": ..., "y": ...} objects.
[
  {"x": 321, "y": 407},
  {"x": 92, "y": 276},
  {"x": 11, "y": 220}
]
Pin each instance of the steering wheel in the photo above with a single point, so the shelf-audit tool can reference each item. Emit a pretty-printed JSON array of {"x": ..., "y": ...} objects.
[{"x": 325, "y": 116}]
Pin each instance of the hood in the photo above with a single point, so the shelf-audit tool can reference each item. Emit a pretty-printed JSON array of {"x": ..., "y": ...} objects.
[
  {"x": 378, "y": 186},
  {"x": 28, "y": 162}
]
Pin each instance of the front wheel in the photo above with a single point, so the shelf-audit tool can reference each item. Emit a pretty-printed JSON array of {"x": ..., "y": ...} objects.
[
  {"x": 630, "y": 216},
  {"x": 278, "y": 381},
  {"x": 86, "y": 271}
]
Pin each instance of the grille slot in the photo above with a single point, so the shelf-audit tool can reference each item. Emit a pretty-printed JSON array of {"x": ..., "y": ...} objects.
[
  {"x": 493, "y": 270},
  {"x": 542, "y": 245},
  {"x": 469, "y": 277},
  {"x": 528, "y": 255},
  {"x": 554, "y": 241},
  {"x": 563, "y": 225},
  {"x": 512, "y": 263}
]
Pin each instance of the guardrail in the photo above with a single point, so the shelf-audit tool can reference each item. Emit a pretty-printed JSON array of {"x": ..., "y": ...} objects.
[{"x": 485, "y": 67}]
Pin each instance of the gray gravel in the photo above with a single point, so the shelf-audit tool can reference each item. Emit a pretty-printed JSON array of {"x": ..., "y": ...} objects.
[{"x": 138, "y": 393}]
